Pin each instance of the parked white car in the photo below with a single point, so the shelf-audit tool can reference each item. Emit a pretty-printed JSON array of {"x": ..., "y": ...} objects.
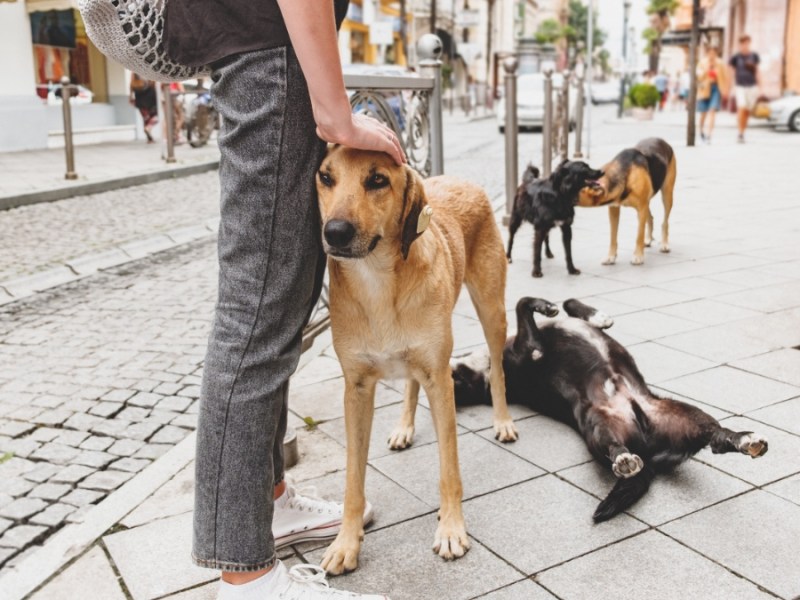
[
  {"x": 52, "y": 93},
  {"x": 785, "y": 112},
  {"x": 530, "y": 101}
]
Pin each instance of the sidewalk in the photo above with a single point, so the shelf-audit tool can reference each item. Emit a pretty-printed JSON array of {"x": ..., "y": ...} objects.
[{"x": 715, "y": 323}]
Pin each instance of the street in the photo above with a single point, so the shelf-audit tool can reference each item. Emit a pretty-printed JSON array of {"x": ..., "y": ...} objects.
[{"x": 100, "y": 377}]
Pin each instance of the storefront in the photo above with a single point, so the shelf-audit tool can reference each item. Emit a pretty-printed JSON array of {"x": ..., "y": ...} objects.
[{"x": 356, "y": 43}]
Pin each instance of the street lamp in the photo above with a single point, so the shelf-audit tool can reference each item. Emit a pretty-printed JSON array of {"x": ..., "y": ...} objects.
[{"x": 624, "y": 77}]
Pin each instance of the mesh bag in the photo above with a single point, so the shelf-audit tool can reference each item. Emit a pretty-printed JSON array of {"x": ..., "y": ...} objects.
[{"x": 131, "y": 32}]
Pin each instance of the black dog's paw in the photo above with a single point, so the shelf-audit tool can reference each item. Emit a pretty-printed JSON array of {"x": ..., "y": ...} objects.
[
  {"x": 536, "y": 273},
  {"x": 509, "y": 259},
  {"x": 574, "y": 271},
  {"x": 549, "y": 254}
]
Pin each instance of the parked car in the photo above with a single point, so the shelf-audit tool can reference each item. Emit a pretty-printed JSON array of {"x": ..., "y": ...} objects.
[
  {"x": 605, "y": 92},
  {"x": 785, "y": 112},
  {"x": 530, "y": 102},
  {"x": 51, "y": 92}
]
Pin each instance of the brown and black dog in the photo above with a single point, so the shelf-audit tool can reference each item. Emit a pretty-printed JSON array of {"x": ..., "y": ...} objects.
[
  {"x": 399, "y": 251},
  {"x": 632, "y": 179}
]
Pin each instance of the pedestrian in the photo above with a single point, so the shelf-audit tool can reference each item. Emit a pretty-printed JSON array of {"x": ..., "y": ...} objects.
[
  {"x": 684, "y": 81},
  {"x": 744, "y": 65},
  {"x": 174, "y": 91},
  {"x": 277, "y": 84},
  {"x": 661, "y": 81},
  {"x": 143, "y": 97},
  {"x": 712, "y": 85}
]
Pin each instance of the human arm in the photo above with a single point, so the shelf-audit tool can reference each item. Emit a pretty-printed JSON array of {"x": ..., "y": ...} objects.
[{"x": 311, "y": 27}]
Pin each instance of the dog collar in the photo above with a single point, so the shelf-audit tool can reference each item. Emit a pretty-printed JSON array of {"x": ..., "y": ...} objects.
[{"x": 424, "y": 219}]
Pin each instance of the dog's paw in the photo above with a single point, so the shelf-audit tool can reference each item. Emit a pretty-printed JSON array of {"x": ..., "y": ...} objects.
[
  {"x": 637, "y": 260},
  {"x": 549, "y": 254},
  {"x": 610, "y": 260},
  {"x": 664, "y": 248},
  {"x": 536, "y": 354},
  {"x": 574, "y": 271},
  {"x": 627, "y": 465},
  {"x": 505, "y": 431},
  {"x": 451, "y": 539},
  {"x": 509, "y": 259},
  {"x": 536, "y": 273},
  {"x": 401, "y": 437},
  {"x": 753, "y": 444},
  {"x": 601, "y": 320},
  {"x": 341, "y": 556},
  {"x": 648, "y": 243}
]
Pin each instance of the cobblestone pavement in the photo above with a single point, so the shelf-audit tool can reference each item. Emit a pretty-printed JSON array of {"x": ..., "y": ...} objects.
[{"x": 100, "y": 376}]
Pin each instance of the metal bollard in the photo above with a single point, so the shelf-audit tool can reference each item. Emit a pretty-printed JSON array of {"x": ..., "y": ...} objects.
[
  {"x": 547, "y": 125},
  {"x": 565, "y": 123},
  {"x": 511, "y": 133},
  {"x": 169, "y": 122},
  {"x": 579, "y": 106},
  {"x": 429, "y": 50},
  {"x": 66, "y": 92}
]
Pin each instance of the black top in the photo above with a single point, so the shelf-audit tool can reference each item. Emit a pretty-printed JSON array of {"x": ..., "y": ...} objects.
[
  {"x": 200, "y": 32},
  {"x": 745, "y": 66}
]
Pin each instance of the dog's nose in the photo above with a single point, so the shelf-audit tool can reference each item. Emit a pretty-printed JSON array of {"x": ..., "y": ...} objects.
[{"x": 339, "y": 233}]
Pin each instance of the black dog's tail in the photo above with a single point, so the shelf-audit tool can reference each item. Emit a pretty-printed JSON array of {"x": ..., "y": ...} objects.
[
  {"x": 624, "y": 494},
  {"x": 530, "y": 174}
]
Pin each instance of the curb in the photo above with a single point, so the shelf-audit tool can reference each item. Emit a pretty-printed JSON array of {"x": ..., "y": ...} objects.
[
  {"x": 104, "y": 185},
  {"x": 88, "y": 264},
  {"x": 74, "y": 540}
]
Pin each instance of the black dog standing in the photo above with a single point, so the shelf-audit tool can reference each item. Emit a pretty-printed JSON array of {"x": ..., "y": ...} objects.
[{"x": 549, "y": 202}]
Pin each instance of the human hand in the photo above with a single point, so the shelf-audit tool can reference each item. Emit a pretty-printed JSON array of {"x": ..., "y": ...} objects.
[{"x": 365, "y": 133}]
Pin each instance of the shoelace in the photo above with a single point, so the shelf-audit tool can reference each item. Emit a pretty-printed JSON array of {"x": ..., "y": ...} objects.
[
  {"x": 307, "y": 578},
  {"x": 308, "y": 499}
]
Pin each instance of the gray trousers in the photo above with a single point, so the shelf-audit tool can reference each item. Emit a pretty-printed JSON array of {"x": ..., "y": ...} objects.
[{"x": 270, "y": 271}]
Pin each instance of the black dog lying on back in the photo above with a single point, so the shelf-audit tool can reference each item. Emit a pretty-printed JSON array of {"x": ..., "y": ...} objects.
[
  {"x": 572, "y": 371},
  {"x": 549, "y": 202}
]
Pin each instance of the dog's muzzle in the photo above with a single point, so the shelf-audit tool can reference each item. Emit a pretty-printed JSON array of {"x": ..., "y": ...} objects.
[{"x": 339, "y": 233}]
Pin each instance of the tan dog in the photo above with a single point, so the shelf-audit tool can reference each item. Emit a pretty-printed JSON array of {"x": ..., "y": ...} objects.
[
  {"x": 399, "y": 250},
  {"x": 632, "y": 179}
]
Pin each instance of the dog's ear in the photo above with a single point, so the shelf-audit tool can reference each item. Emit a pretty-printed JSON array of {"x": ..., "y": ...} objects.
[
  {"x": 415, "y": 214},
  {"x": 557, "y": 178}
]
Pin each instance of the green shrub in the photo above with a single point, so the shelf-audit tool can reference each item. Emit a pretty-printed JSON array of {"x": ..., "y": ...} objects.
[{"x": 644, "y": 95}]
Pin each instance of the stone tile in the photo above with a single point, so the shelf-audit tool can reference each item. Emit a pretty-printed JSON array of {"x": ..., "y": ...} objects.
[
  {"x": 324, "y": 401},
  {"x": 56, "y": 416},
  {"x": 392, "y": 561},
  {"x": 766, "y": 298},
  {"x": 190, "y": 391},
  {"x": 105, "y": 481},
  {"x": 719, "y": 343},
  {"x": 6, "y": 554},
  {"x": 5, "y": 499},
  {"x": 319, "y": 455},
  {"x": 21, "y": 447},
  {"x": 709, "y": 312},
  {"x": 5, "y": 524},
  {"x": 20, "y": 536},
  {"x": 145, "y": 400},
  {"x": 784, "y": 415},
  {"x": 125, "y": 447},
  {"x": 559, "y": 528},
  {"x": 45, "y": 434},
  {"x": 203, "y": 592},
  {"x": 79, "y": 497},
  {"x": 80, "y": 514},
  {"x": 154, "y": 559},
  {"x": 83, "y": 422},
  {"x": 646, "y": 297},
  {"x": 15, "y": 428},
  {"x": 22, "y": 508},
  {"x": 42, "y": 473},
  {"x": 383, "y": 422},
  {"x": 49, "y": 491},
  {"x": 97, "y": 443},
  {"x": 53, "y": 515},
  {"x": 651, "y": 325},
  {"x": 190, "y": 421},
  {"x": 692, "y": 486},
  {"x": 779, "y": 329},
  {"x": 56, "y": 453},
  {"x": 140, "y": 431},
  {"x": 16, "y": 466},
  {"x": 783, "y": 365},
  {"x": 152, "y": 451},
  {"x": 174, "y": 403},
  {"x": 105, "y": 409},
  {"x": 479, "y": 473},
  {"x": 731, "y": 389},
  {"x": 71, "y": 438},
  {"x": 118, "y": 395},
  {"x": 526, "y": 589},
  {"x": 132, "y": 465},
  {"x": 169, "y": 434},
  {"x": 114, "y": 428},
  {"x": 17, "y": 486},
  {"x": 91, "y": 567},
  {"x": 659, "y": 363},
  {"x": 134, "y": 413},
  {"x": 479, "y": 417},
  {"x": 772, "y": 521},
  {"x": 546, "y": 443},
  {"x": 90, "y": 458},
  {"x": 320, "y": 369},
  {"x": 782, "y": 458},
  {"x": 651, "y": 566},
  {"x": 788, "y": 488},
  {"x": 173, "y": 498}
]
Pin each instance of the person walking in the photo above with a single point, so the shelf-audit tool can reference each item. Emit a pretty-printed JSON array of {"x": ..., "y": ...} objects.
[
  {"x": 661, "y": 81},
  {"x": 143, "y": 98},
  {"x": 744, "y": 65},
  {"x": 277, "y": 83},
  {"x": 712, "y": 85}
]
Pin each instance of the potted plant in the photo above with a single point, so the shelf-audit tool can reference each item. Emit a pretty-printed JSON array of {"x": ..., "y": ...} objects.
[{"x": 644, "y": 98}]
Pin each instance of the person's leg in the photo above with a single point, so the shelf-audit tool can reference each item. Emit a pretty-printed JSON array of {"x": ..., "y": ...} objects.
[
  {"x": 712, "y": 114},
  {"x": 270, "y": 268}
]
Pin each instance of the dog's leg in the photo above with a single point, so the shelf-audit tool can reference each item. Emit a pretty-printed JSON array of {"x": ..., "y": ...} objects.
[
  {"x": 359, "y": 406},
  {"x": 566, "y": 236},
  {"x": 403, "y": 433},
  {"x": 613, "y": 220},
  {"x": 605, "y": 436},
  {"x": 451, "y": 539},
  {"x": 579, "y": 310},
  {"x": 666, "y": 198},
  {"x": 638, "y": 253},
  {"x": 547, "y": 251},
  {"x": 538, "y": 239},
  {"x": 648, "y": 238},
  {"x": 513, "y": 225},
  {"x": 724, "y": 440}
]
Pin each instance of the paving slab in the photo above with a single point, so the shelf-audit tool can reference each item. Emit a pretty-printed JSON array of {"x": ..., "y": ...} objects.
[
  {"x": 783, "y": 365},
  {"x": 788, "y": 488},
  {"x": 766, "y": 298},
  {"x": 650, "y": 566},
  {"x": 781, "y": 460},
  {"x": 324, "y": 401},
  {"x": 659, "y": 363},
  {"x": 398, "y": 561},
  {"x": 646, "y": 297},
  {"x": 526, "y": 589},
  {"x": 480, "y": 417},
  {"x": 91, "y": 577},
  {"x": 651, "y": 325},
  {"x": 174, "y": 498},
  {"x": 709, "y": 311},
  {"x": 319, "y": 455},
  {"x": 692, "y": 486},
  {"x": 478, "y": 458},
  {"x": 542, "y": 523},
  {"x": 154, "y": 559},
  {"x": 699, "y": 287},
  {"x": 731, "y": 389},
  {"x": 757, "y": 515},
  {"x": 783, "y": 415}
]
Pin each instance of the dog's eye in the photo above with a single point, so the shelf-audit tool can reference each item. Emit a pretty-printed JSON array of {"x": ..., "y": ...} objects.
[
  {"x": 325, "y": 179},
  {"x": 377, "y": 181}
]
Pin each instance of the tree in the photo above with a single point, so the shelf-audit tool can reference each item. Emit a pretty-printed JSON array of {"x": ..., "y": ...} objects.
[
  {"x": 660, "y": 12},
  {"x": 573, "y": 32},
  {"x": 549, "y": 32}
]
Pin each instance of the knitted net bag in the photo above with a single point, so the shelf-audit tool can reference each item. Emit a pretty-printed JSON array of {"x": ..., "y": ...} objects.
[{"x": 131, "y": 32}]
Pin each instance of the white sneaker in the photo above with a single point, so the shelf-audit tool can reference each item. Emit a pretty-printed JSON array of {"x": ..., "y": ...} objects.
[
  {"x": 307, "y": 582},
  {"x": 301, "y": 516}
]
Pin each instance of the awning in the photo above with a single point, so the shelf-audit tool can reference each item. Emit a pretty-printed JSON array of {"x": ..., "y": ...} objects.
[{"x": 45, "y": 5}]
